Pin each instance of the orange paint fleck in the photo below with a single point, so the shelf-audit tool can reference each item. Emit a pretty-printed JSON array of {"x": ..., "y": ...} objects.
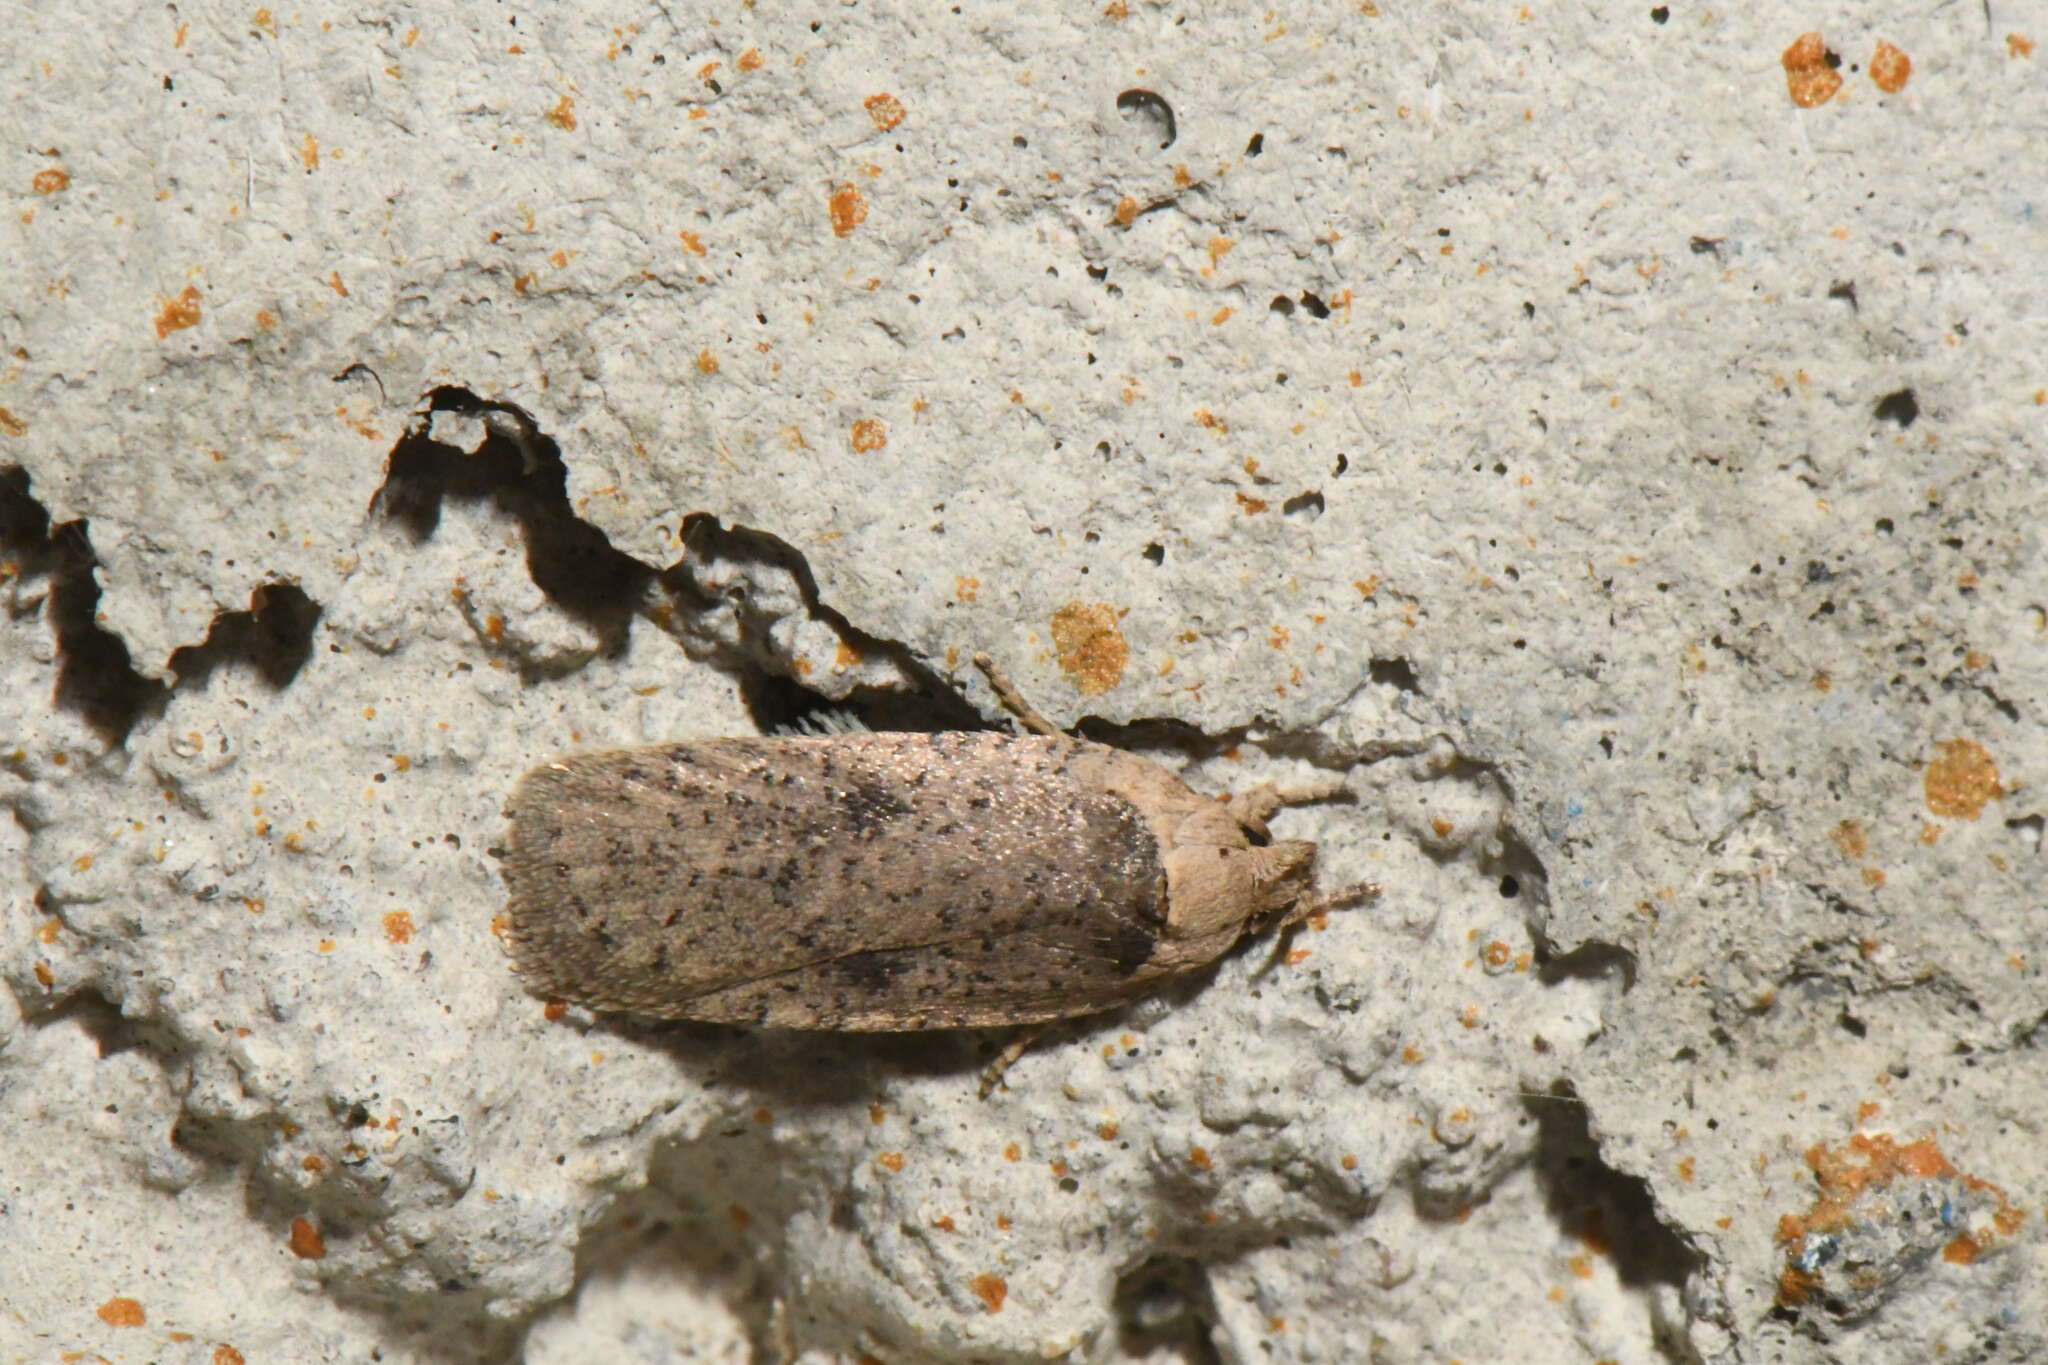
[
  {"x": 1872, "y": 1162},
  {"x": 398, "y": 926},
  {"x": 1961, "y": 779},
  {"x": 707, "y": 363},
  {"x": 750, "y": 60},
  {"x": 1685, "y": 1167},
  {"x": 1297, "y": 956},
  {"x": 890, "y": 1161},
  {"x": 1890, "y": 68},
  {"x": 1252, "y": 506},
  {"x": 1808, "y": 77},
  {"x": 51, "y": 180},
  {"x": 122, "y": 1312},
  {"x": 1126, "y": 211},
  {"x": 846, "y": 654},
  {"x": 563, "y": 115},
  {"x": 225, "y": 1354},
  {"x": 1199, "y": 1158},
  {"x": 848, "y": 210},
  {"x": 991, "y": 1290},
  {"x": 554, "y": 1011},
  {"x": 175, "y": 315},
  {"x": 966, "y": 588},
  {"x": 1091, "y": 646},
  {"x": 1011, "y": 1152},
  {"x": 12, "y": 426},
  {"x": 1108, "y": 1132},
  {"x": 1849, "y": 838},
  {"x": 692, "y": 243},
  {"x": 306, "y": 1242},
  {"x": 944, "y": 1222},
  {"x": 1581, "y": 1267},
  {"x": 885, "y": 109},
  {"x": 2018, "y": 45},
  {"x": 869, "y": 434},
  {"x": 1822, "y": 682},
  {"x": 876, "y": 1113}
]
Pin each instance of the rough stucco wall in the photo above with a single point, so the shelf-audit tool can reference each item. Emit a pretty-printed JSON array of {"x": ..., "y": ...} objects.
[{"x": 1613, "y": 450}]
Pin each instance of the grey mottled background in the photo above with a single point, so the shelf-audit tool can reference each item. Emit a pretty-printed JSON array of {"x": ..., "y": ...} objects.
[{"x": 1610, "y": 438}]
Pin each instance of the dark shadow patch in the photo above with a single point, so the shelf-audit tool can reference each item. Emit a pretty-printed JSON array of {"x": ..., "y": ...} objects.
[
  {"x": 1522, "y": 874},
  {"x": 101, "y": 1019},
  {"x": 1609, "y": 1213},
  {"x": 1308, "y": 505},
  {"x": 1395, "y": 673},
  {"x": 274, "y": 637},
  {"x": 1899, "y": 407},
  {"x": 777, "y": 701},
  {"x": 1149, "y": 105},
  {"x": 520, "y": 472},
  {"x": 96, "y": 678},
  {"x": 1165, "y": 1309},
  {"x": 1587, "y": 962}
]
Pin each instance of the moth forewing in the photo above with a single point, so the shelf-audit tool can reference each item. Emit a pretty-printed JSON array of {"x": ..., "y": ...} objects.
[{"x": 884, "y": 881}]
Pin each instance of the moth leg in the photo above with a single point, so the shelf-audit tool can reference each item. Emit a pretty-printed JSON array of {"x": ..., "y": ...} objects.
[
  {"x": 1254, "y": 806},
  {"x": 1013, "y": 701},
  {"x": 1026, "y": 1036},
  {"x": 1314, "y": 903}
]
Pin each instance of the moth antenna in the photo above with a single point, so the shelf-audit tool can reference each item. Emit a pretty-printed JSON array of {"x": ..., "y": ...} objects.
[
  {"x": 1013, "y": 700},
  {"x": 1316, "y": 902}
]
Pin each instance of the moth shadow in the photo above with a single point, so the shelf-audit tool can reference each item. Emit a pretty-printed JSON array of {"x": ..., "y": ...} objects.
[{"x": 798, "y": 1068}]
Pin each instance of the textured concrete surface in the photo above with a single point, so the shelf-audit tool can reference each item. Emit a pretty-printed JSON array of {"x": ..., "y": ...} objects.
[{"x": 1614, "y": 443}]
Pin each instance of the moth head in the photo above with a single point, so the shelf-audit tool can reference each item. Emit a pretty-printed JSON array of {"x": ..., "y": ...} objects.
[{"x": 1216, "y": 893}]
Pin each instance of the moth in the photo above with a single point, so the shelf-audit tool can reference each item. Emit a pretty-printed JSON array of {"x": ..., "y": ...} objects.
[{"x": 888, "y": 881}]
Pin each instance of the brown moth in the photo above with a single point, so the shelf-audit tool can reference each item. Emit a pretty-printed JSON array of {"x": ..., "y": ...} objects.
[{"x": 888, "y": 881}]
